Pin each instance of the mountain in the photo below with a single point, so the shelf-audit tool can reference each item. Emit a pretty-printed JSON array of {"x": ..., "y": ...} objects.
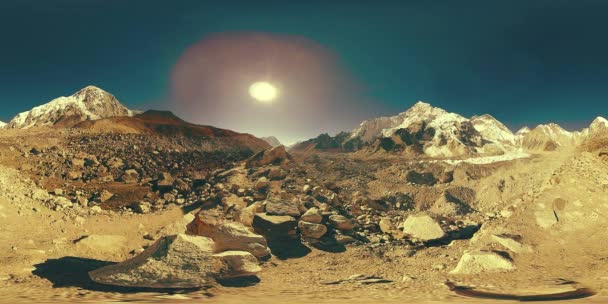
[
  {"x": 271, "y": 140},
  {"x": 87, "y": 104},
  {"x": 548, "y": 137},
  {"x": 2, "y": 124},
  {"x": 493, "y": 130},
  {"x": 165, "y": 123},
  {"x": 599, "y": 127}
]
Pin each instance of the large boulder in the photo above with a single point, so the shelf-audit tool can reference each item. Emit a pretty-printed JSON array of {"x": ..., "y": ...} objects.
[
  {"x": 312, "y": 215},
  {"x": 282, "y": 207},
  {"x": 423, "y": 227},
  {"x": 175, "y": 261},
  {"x": 228, "y": 235},
  {"x": 483, "y": 261},
  {"x": 272, "y": 156},
  {"x": 237, "y": 264},
  {"x": 311, "y": 230},
  {"x": 341, "y": 222},
  {"x": 274, "y": 226}
]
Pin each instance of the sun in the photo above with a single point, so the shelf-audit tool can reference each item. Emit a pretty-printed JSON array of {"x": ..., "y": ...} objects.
[{"x": 263, "y": 91}]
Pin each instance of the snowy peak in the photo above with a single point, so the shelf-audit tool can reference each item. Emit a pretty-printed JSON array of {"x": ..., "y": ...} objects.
[
  {"x": 492, "y": 130},
  {"x": 523, "y": 131},
  {"x": 88, "y": 103},
  {"x": 2, "y": 124},
  {"x": 432, "y": 130},
  {"x": 599, "y": 126}
]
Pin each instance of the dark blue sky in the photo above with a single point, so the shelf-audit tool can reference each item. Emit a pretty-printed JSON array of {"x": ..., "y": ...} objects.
[{"x": 525, "y": 62}]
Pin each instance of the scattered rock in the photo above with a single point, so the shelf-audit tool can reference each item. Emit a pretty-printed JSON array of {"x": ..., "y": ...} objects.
[
  {"x": 483, "y": 261},
  {"x": 312, "y": 230},
  {"x": 341, "y": 222},
  {"x": 423, "y": 227},
  {"x": 312, "y": 215},
  {"x": 176, "y": 261},
  {"x": 237, "y": 264}
]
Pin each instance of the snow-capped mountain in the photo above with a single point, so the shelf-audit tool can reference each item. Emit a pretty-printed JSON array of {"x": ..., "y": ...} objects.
[
  {"x": 548, "y": 137},
  {"x": 2, "y": 125},
  {"x": 87, "y": 104},
  {"x": 436, "y": 132},
  {"x": 493, "y": 130},
  {"x": 599, "y": 126}
]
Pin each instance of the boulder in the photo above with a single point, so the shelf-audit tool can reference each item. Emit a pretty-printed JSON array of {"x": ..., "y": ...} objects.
[
  {"x": 130, "y": 177},
  {"x": 261, "y": 184},
  {"x": 311, "y": 230},
  {"x": 282, "y": 207},
  {"x": 274, "y": 226},
  {"x": 245, "y": 216},
  {"x": 237, "y": 264},
  {"x": 228, "y": 235},
  {"x": 341, "y": 222},
  {"x": 175, "y": 261},
  {"x": 272, "y": 156},
  {"x": 312, "y": 215},
  {"x": 165, "y": 182},
  {"x": 482, "y": 262},
  {"x": 425, "y": 178},
  {"x": 423, "y": 227}
]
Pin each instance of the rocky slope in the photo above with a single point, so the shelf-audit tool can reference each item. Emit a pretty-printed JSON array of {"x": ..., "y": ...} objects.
[
  {"x": 87, "y": 104},
  {"x": 165, "y": 123}
]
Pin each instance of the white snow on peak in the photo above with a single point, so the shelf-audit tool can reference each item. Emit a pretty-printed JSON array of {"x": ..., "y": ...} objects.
[
  {"x": 493, "y": 130},
  {"x": 2, "y": 124},
  {"x": 419, "y": 112},
  {"x": 523, "y": 131},
  {"x": 90, "y": 102}
]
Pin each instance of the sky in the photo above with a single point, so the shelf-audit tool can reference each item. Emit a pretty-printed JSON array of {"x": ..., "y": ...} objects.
[{"x": 335, "y": 62}]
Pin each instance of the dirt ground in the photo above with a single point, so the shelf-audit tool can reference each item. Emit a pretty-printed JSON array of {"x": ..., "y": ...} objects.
[{"x": 45, "y": 254}]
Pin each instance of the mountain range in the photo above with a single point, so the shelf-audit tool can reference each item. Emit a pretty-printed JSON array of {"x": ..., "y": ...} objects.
[
  {"x": 434, "y": 132},
  {"x": 422, "y": 130}
]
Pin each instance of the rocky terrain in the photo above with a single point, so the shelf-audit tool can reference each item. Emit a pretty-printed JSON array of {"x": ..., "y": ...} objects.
[{"x": 424, "y": 206}]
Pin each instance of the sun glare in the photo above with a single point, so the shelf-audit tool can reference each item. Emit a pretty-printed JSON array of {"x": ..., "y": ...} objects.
[{"x": 263, "y": 91}]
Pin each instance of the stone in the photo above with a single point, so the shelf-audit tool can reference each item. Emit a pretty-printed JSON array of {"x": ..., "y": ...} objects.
[
  {"x": 58, "y": 191},
  {"x": 130, "y": 177},
  {"x": 311, "y": 230},
  {"x": 181, "y": 186},
  {"x": 483, "y": 262},
  {"x": 312, "y": 215},
  {"x": 165, "y": 182},
  {"x": 175, "y": 261},
  {"x": 274, "y": 226},
  {"x": 245, "y": 216},
  {"x": 282, "y": 207},
  {"x": 61, "y": 202},
  {"x": 73, "y": 175},
  {"x": 105, "y": 195},
  {"x": 228, "y": 235},
  {"x": 233, "y": 202},
  {"x": 272, "y": 156},
  {"x": 341, "y": 222},
  {"x": 237, "y": 264},
  {"x": 141, "y": 207},
  {"x": 511, "y": 242},
  {"x": 276, "y": 173},
  {"x": 261, "y": 184},
  {"x": 423, "y": 227},
  {"x": 424, "y": 178}
]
